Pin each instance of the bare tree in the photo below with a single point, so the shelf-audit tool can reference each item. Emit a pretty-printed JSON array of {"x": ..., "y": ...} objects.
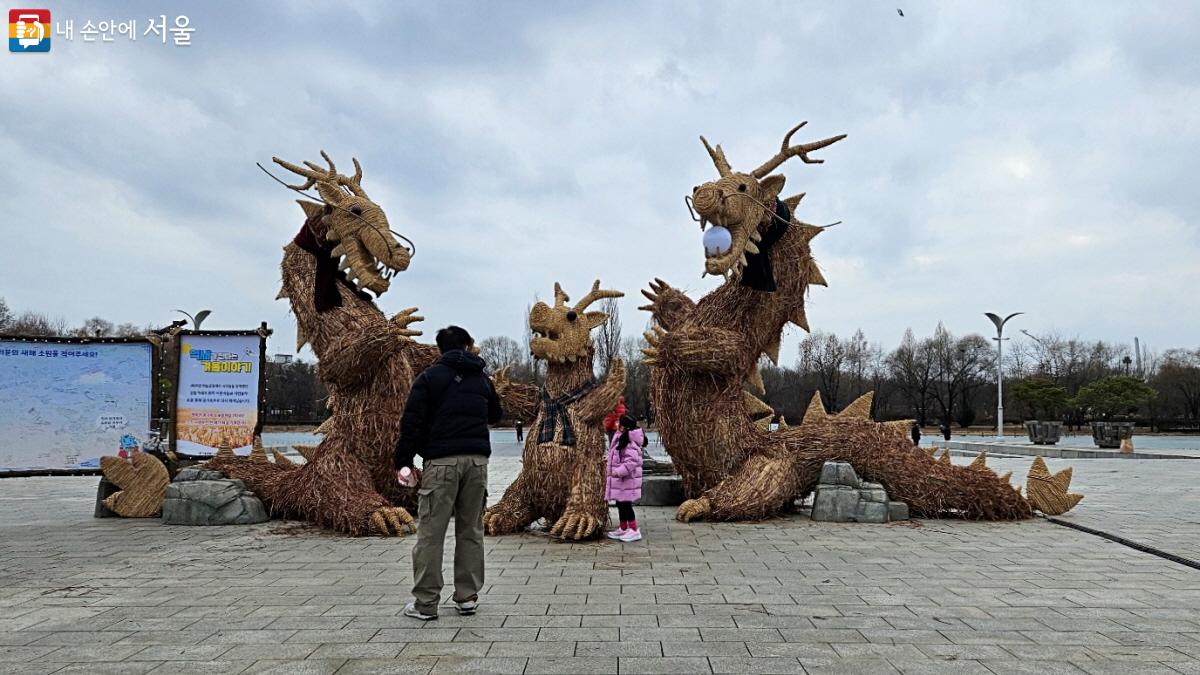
[
  {"x": 608, "y": 335},
  {"x": 823, "y": 355},
  {"x": 501, "y": 351},
  {"x": 911, "y": 369}
]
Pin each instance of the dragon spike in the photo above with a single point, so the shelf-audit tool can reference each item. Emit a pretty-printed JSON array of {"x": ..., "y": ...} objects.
[
  {"x": 757, "y": 406},
  {"x": 899, "y": 427},
  {"x": 793, "y": 201},
  {"x": 772, "y": 351},
  {"x": 281, "y": 459},
  {"x": 815, "y": 277},
  {"x": 1048, "y": 492},
  {"x": 782, "y": 423},
  {"x": 859, "y": 408},
  {"x": 1006, "y": 476},
  {"x": 763, "y": 424},
  {"x": 800, "y": 318},
  {"x": 308, "y": 452},
  {"x": 718, "y": 157},
  {"x": 980, "y": 461},
  {"x": 931, "y": 451},
  {"x": 282, "y": 294},
  {"x": 810, "y": 232},
  {"x": 755, "y": 381},
  {"x": 815, "y": 413},
  {"x": 945, "y": 458}
]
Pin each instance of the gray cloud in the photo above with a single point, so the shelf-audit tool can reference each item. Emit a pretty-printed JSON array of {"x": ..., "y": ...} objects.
[{"x": 1010, "y": 157}]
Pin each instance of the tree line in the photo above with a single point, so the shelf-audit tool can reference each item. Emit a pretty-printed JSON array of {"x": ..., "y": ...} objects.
[{"x": 940, "y": 378}]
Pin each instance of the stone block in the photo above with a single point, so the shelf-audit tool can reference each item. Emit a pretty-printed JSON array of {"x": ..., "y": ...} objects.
[
  {"x": 897, "y": 511},
  {"x": 197, "y": 473},
  {"x": 875, "y": 495},
  {"x": 839, "y": 473},
  {"x": 835, "y": 503},
  {"x": 104, "y": 490},
  {"x": 871, "y": 512},
  {"x": 211, "y": 502},
  {"x": 661, "y": 490}
]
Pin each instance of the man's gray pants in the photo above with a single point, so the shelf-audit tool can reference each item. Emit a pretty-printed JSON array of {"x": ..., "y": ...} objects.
[{"x": 450, "y": 486}]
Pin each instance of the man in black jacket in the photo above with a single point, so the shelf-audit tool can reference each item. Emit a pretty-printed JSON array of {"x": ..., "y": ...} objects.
[{"x": 446, "y": 421}]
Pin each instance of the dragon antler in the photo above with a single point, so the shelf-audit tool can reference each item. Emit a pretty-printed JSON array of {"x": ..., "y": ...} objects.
[
  {"x": 560, "y": 296},
  {"x": 718, "y": 157},
  {"x": 786, "y": 152},
  {"x": 592, "y": 296},
  {"x": 329, "y": 178}
]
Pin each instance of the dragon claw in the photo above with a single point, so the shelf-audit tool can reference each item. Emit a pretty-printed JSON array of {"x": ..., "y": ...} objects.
[
  {"x": 692, "y": 509},
  {"x": 392, "y": 521},
  {"x": 575, "y": 526}
]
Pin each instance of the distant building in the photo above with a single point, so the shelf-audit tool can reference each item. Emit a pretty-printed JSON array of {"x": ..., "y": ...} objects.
[{"x": 283, "y": 358}]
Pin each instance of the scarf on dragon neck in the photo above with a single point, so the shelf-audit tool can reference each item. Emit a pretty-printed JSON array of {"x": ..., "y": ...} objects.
[
  {"x": 325, "y": 292},
  {"x": 554, "y": 411},
  {"x": 758, "y": 274}
]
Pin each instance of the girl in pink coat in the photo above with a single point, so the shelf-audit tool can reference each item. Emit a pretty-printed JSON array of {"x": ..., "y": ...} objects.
[{"x": 625, "y": 477}]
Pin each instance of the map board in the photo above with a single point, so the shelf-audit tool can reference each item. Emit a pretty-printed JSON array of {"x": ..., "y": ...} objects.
[{"x": 64, "y": 403}]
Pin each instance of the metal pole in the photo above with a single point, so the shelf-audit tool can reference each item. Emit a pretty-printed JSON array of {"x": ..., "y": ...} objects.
[
  {"x": 1000, "y": 368},
  {"x": 1000, "y": 383}
]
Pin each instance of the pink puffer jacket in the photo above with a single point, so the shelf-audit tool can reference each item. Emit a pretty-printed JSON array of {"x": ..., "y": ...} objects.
[{"x": 625, "y": 468}]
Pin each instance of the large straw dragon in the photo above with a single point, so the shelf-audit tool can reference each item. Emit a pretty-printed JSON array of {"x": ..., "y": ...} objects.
[
  {"x": 366, "y": 360},
  {"x": 562, "y": 477},
  {"x": 703, "y": 355}
]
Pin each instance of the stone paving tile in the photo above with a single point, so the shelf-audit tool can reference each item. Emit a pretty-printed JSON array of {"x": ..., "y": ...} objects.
[
  {"x": 595, "y": 665},
  {"x": 635, "y": 665},
  {"x": 703, "y": 597}
]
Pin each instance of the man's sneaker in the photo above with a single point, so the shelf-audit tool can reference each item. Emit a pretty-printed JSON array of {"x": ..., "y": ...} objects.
[
  {"x": 616, "y": 534},
  {"x": 467, "y": 607},
  {"x": 411, "y": 610},
  {"x": 630, "y": 535}
]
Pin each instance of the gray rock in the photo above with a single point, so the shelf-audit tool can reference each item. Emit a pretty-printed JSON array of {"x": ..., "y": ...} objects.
[
  {"x": 876, "y": 495},
  {"x": 197, "y": 473},
  {"x": 211, "y": 502},
  {"x": 839, "y": 473},
  {"x": 840, "y": 497},
  {"x": 871, "y": 512},
  {"x": 835, "y": 503},
  {"x": 661, "y": 490}
]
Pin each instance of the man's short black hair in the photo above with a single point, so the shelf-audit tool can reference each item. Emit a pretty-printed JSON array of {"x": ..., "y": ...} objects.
[{"x": 453, "y": 337}]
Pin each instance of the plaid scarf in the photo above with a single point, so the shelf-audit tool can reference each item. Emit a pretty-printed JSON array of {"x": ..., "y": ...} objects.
[{"x": 554, "y": 410}]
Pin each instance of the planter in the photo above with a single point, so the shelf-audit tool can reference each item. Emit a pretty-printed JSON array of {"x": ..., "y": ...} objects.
[
  {"x": 1043, "y": 433},
  {"x": 1110, "y": 434}
]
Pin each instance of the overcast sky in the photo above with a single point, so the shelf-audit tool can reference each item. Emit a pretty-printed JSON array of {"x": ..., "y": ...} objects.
[{"x": 1037, "y": 157}]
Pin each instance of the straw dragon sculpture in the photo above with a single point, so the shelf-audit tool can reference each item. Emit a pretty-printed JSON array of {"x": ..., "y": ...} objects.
[
  {"x": 703, "y": 355},
  {"x": 562, "y": 478},
  {"x": 367, "y": 361}
]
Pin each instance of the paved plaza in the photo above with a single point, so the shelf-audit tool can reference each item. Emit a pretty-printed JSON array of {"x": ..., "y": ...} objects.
[{"x": 783, "y": 596}]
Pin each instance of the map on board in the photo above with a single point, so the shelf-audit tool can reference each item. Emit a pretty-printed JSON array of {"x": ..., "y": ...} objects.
[{"x": 63, "y": 405}]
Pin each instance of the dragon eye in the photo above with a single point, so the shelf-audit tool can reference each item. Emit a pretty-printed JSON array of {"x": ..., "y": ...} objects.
[
  {"x": 742, "y": 187},
  {"x": 356, "y": 210},
  {"x": 571, "y": 315}
]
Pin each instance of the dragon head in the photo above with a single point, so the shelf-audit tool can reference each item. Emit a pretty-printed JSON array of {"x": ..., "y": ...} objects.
[
  {"x": 740, "y": 206},
  {"x": 562, "y": 333},
  {"x": 366, "y": 248}
]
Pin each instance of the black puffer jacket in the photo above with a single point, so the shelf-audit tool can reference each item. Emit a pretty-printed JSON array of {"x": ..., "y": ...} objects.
[{"x": 448, "y": 411}]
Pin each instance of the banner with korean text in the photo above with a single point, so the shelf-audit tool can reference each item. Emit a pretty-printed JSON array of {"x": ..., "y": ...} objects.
[
  {"x": 217, "y": 401},
  {"x": 64, "y": 403}
]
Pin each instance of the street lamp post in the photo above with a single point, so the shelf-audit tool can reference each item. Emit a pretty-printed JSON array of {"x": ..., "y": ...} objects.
[{"x": 1000, "y": 367}]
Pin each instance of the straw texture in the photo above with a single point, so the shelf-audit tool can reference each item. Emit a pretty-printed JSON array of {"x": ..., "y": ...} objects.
[
  {"x": 367, "y": 361},
  {"x": 143, "y": 480},
  {"x": 704, "y": 355},
  {"x": 561, "y": 482}
]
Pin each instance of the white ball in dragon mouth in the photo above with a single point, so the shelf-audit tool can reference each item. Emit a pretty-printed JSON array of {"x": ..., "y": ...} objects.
[{"x": 717, "y": 241}]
